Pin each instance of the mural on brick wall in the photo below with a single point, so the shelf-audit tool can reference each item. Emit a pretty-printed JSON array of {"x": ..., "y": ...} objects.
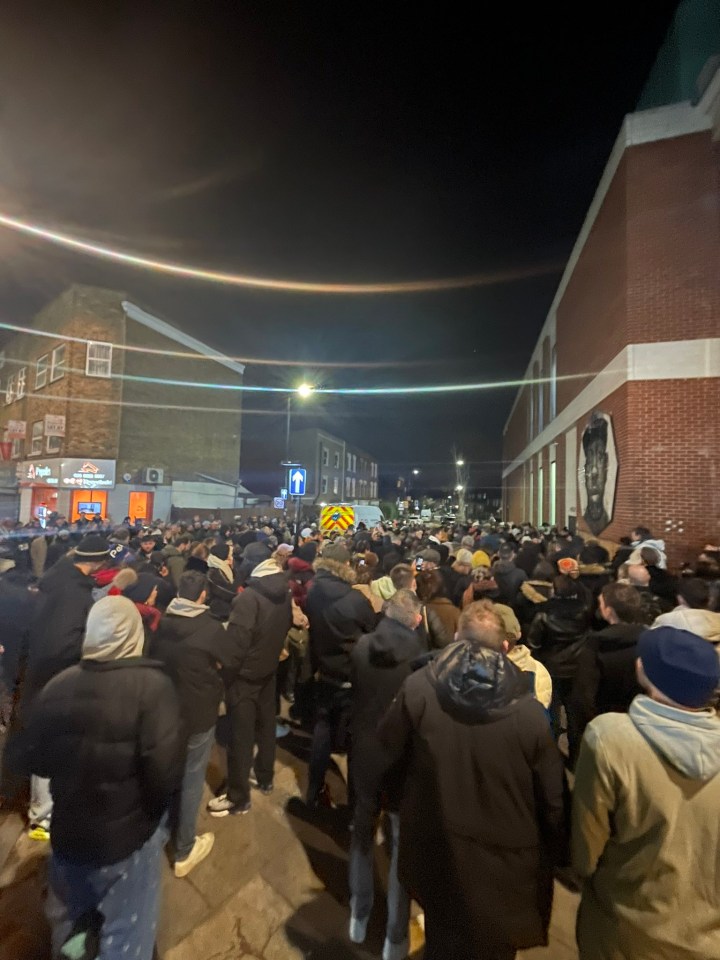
[{"x": 598, "y": 472}]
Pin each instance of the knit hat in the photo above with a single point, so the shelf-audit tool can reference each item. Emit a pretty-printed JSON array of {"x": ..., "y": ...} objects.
[
  {"x": 92, "y": 547},
  {"x": 480, "y": 559},
  {"x": 114, "y": 630},
  {"x": 220, "y": 550},
  {"x": 464, "y": 557},
  {"x": 680, "y": 664},
  {"x": 139, "y": 591},
  {"x": 307, "y": 552},
  {"x": 568, "y": 566},
  {"x": 337, "y": 552}
]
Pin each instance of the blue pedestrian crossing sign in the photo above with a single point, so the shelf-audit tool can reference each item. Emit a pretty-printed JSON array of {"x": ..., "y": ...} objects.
[
  {"x": 283, "y": 493},
  {"x": 298, "y": 481}
]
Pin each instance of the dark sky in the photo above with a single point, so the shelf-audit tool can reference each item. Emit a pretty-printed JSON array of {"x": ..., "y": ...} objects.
[{"x": 330, "y": 142}]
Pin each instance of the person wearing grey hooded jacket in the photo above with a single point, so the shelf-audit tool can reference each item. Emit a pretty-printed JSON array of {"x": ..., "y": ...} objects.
[
  {"x": 646, "y": 831},
  {"x": 192, "y": 646}
]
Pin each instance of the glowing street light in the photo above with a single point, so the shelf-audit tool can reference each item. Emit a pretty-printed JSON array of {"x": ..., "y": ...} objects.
[
  {"x": 459, "y": 463},
  {"x": 304, "y": 390},
  {"x": 416, "y": 473},
  {"x": 459, "y": 487}
]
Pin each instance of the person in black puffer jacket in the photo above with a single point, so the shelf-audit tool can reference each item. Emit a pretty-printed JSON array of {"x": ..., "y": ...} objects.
[
  {"x": 105, "y": 732},
  {"x": 558, "y": 634},
  {"x": 338, "y": 616},
  {"x": 482, "y": 817},
  {"x": 508, "y": 576},
  {"x": 605, "y": 679},
  {"x": 259, "y": 622}
]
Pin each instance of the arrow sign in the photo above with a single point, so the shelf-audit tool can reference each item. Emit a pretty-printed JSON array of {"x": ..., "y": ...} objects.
[{"x": 298, "y": 480}]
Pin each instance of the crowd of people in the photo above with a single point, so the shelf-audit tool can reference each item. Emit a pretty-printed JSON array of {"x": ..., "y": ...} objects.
[{"x": 473, "y": 676}]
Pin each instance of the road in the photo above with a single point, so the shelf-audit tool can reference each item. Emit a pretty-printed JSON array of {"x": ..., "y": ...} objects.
[{"x": 274, "y": 887}]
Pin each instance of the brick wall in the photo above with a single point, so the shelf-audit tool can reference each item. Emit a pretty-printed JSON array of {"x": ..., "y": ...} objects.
[
  {"x": 183, "y": 429},
  {"x": 673, "y": 240}
]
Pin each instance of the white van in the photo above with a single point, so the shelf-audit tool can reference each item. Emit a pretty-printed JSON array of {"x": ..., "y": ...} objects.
[{"x": 370, "y": 516}]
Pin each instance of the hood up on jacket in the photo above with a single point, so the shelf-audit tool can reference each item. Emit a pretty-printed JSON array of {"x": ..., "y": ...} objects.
[
  {"x": 180, "y": 607},
  {"x": 383, "y": 588},
  {"x": 271, "y": 581},
  {"x": 475, "y": 685},
  {"x": 705, "y": 623},
  {"x": 689, "y": 741},
  {"x": 114, "y": 630},
  {"x": 536, "y": 591},
  {"x": 392, "y": 643}
]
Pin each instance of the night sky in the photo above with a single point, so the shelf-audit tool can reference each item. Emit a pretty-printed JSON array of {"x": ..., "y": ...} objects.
[{"x": 329, "y": 142}]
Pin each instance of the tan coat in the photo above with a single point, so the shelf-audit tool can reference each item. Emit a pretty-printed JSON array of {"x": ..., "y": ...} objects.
[{"x": 646, "y": 835}]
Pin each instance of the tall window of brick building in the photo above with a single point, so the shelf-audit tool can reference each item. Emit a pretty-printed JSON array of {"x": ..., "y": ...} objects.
[
  {"x": 553, "y": 383},
  {"x": 21, "y": 383},
  {"x": 10, "y": 390},
  {"x": 41, "y": 371},
  {"x": 17, "y": 446},
  {"x": 52, "y": 444},
  {"x": 531, "y": 413},
  {"x": 37, "y": 439},
  {"x": 336, "y": 485},
  {"x": 336, "y": 462},
  {"x": 323, "y": 485},
  {"x": 540, "y": 492},
  {"x": 98, "y": 362},
  {"x": 552, "y": 517},
  {"x": 539, "y": 400},
  {"x": 325, "y": 457},
  {"x": 57, "y": 365},
  {"x": 531, "y": 497}
]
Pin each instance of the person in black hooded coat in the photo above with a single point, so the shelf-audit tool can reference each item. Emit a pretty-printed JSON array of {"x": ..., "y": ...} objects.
[
  {"x": 380, "y": 662},
  {"x": 482, "y": 818}
]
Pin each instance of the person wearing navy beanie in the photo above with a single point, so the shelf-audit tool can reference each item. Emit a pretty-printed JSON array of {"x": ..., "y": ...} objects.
[{"x": 646, "y": 831}]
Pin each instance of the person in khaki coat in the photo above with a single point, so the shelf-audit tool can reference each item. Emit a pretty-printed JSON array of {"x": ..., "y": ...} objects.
[{"x": 646, "y": 829}]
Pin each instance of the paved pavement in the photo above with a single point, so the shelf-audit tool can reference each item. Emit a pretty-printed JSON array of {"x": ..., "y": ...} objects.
[{"x": 274, "y": 887}]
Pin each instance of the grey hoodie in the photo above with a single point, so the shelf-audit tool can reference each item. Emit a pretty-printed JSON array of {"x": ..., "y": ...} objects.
[
  {"x": 185, "y": 608},
  {"x": 688, "y": 740}
]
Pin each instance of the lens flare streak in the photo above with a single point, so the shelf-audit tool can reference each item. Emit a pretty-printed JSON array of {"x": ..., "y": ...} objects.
[{"x": 269, "y": 283}]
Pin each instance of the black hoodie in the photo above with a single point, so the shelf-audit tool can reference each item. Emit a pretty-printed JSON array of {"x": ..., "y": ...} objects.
[
  {"x": 338, "y": 616},
  {"x": 259, "y": 622}
]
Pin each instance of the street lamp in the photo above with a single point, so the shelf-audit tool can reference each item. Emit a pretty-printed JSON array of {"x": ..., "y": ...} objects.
[
  {"x": 459, "y": 463},
  {"x": 416, "y": 473},
  {"x": 303, "y": 391},
  {"x": 459, "y": 488}
]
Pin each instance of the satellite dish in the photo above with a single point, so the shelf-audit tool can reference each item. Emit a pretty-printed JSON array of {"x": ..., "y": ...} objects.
[{"x": 127, "y": 477}]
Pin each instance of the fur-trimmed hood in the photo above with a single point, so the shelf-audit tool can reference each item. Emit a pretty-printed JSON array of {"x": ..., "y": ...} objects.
[
  {"x": 336, "y": 569},
  {"x": 536, "y": 591}
]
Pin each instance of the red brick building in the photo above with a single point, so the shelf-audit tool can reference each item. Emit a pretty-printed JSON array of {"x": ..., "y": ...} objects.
[{"x": 633, "y": 335}]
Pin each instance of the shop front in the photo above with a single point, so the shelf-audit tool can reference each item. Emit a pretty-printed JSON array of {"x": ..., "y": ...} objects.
[{"x": 73, "y": 487}]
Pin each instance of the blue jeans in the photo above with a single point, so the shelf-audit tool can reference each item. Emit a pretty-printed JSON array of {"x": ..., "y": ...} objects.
[
  {"x": 41, "y": 802},
  {"x": 187, "y": 802},
  {"x": 362, "y": 861},
  {"x": 127, "y": 894}
]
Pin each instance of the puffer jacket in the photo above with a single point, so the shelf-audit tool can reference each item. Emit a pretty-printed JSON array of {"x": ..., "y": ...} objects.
[
  {"x": 557, "y": 635},
  {"x": 338, "y": 616},
  {"x": 482, "y": 815},
  {"x": 259, "y": 622},
  {"x": 509, "y": 579},
  {"x": 56, "y": 635},
  {"x": 106, "y": 734}
]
